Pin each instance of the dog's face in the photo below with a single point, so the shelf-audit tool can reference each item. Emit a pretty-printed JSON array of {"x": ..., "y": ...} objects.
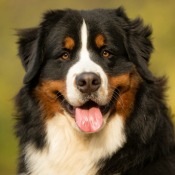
[{"x": 87, "y": 65}]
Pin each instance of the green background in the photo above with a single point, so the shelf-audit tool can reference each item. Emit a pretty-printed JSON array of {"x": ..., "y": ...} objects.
[{"x": 160, "y": 14}]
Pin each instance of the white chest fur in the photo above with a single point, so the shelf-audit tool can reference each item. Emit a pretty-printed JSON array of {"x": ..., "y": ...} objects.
[{"x": 71, "y": 152}]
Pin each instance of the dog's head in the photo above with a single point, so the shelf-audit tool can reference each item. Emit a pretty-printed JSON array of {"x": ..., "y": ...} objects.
[{"x": 87, "y": 64}]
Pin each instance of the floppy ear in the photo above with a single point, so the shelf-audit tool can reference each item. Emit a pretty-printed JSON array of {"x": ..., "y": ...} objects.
[
  {"x": 140, "y": 47},
  {"x": 31, "y": 44},
  {"x": 28, "y": 51},
  {"x": 138, "y": 43}
]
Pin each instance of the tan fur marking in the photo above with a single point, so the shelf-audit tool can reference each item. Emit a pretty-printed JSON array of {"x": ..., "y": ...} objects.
[
  {"x": 128, "y": 85},
  {"x": 46, "y": 92},
  {"x": 69, "y": 43},
  {"x": 100, "y": 41}
]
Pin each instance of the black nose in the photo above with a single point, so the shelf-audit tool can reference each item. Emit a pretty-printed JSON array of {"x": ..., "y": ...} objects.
[{"x": 88, "y": 82}]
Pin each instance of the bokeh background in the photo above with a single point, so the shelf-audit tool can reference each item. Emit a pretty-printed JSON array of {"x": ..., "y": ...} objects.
[{"x": 160, "y": 14}]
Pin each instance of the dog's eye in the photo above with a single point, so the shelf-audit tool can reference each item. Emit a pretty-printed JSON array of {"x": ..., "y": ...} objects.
[
  {"x": 106, "y": 54},
  {"x": 65, "y": 56}
]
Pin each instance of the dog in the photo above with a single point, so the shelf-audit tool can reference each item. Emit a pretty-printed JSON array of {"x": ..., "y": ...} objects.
[{"x": 89, "y": 104}]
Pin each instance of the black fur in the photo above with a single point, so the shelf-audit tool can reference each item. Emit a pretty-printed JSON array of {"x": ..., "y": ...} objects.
[
  {"x": 150, "y": 138},
  {"x": 150, "y": 147}
]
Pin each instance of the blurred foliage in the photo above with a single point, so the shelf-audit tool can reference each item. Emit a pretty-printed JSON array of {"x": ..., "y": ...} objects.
[{"x": 22, "y": 14}]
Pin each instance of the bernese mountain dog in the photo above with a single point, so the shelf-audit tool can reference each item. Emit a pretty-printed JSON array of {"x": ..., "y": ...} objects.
[{"x": 89, "y": 104}]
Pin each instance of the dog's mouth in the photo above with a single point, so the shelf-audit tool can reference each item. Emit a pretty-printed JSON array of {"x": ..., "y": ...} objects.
[{"x": 90, "y": 116}]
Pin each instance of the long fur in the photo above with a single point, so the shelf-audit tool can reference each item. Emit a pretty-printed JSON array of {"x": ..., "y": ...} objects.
[{"x": 143, "y": 142}]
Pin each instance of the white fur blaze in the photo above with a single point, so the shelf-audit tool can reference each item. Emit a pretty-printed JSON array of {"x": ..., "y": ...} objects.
[{"x": 85, "y": 64}]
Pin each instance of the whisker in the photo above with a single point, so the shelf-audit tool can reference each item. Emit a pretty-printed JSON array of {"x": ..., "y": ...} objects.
[
  {"x": 116, "y": 96},
  {"x": 120, "y": 100}
]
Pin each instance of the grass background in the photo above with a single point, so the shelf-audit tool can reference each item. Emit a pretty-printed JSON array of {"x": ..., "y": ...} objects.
[{"x": 22, "y": 14}]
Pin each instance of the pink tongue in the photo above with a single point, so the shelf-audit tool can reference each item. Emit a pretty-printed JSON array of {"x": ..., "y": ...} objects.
[{"x": 89, "y": 120}]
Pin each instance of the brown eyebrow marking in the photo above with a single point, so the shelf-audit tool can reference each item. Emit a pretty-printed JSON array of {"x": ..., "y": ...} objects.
[
  {"x": 100, "y": 40},
  {"x": 69, "y": 43}
]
